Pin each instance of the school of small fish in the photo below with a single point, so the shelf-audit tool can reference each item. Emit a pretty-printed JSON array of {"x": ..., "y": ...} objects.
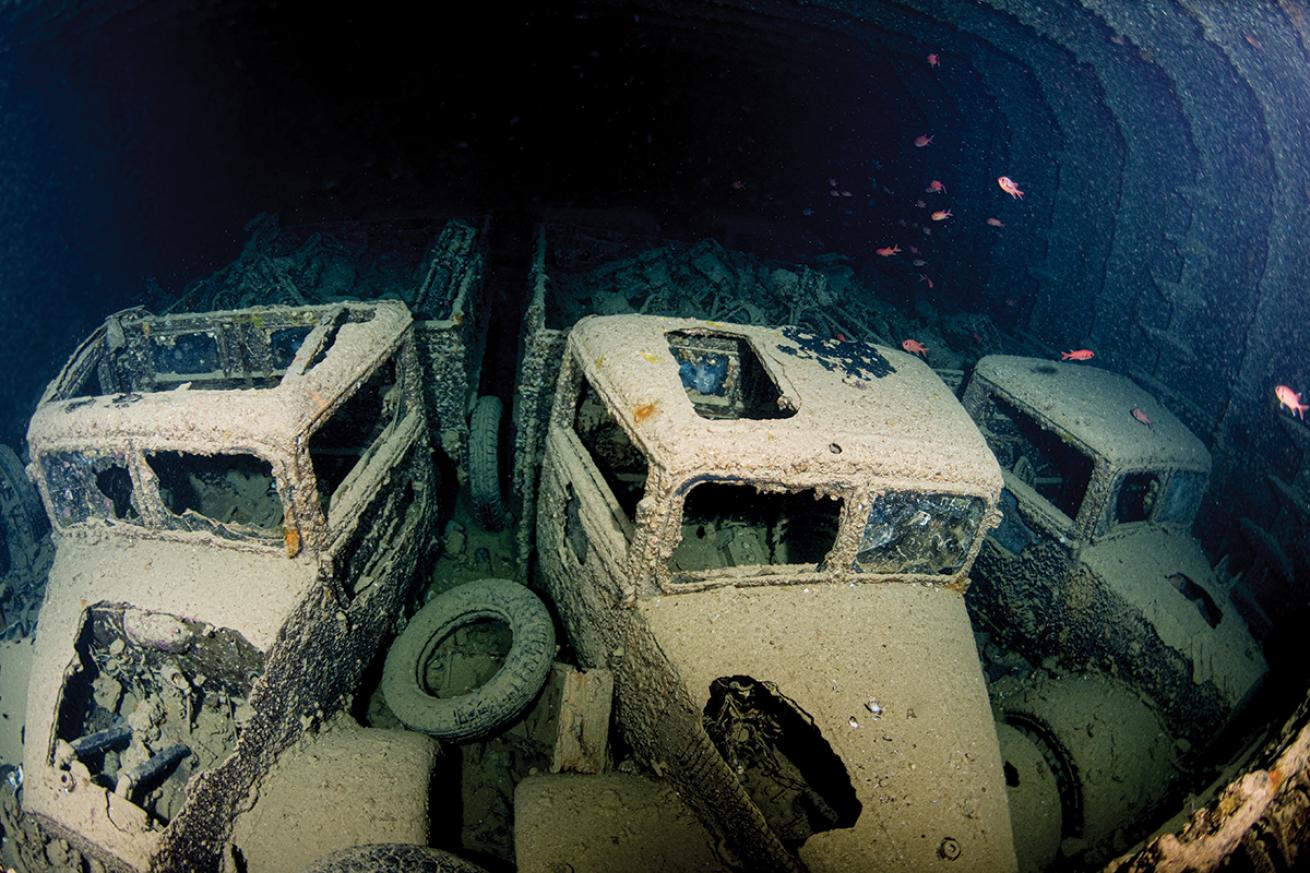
[
  {"x": 1288, "y": 398},
  {"x": 936, "y": 187}
]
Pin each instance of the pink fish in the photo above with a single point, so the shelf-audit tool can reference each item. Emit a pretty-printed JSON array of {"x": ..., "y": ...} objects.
[
  {"x": 996, "y": 222},
  {"x": 887, "y": 251},
  {"x": 941, "y": 215},
  {"x": 1078, "y": 355},
  {"x": 1009, "y": 186},
  {"x": 914, "y": 347},
  {"x": 1289, "y": 398},
  {"x": 922, "y": 140},
  {"x": 923, "y": 277},
  {"x": 1141, "y": 416},
  {"x": 935, "y": 187},
  {"x": 933, "y": 60}
]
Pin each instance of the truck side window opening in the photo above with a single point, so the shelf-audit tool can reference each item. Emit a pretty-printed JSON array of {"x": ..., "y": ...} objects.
[
  {"x": 1041, "y": 458},
  {"x": 336, "y": 448},
  {"x": 621, "y": 464}
]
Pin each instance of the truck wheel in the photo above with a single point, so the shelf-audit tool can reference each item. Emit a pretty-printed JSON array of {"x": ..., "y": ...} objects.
[
  {"x": 484, "y": 464},
  {"x": 505, "y": 695},
  {"x": 392, "y": 858}
]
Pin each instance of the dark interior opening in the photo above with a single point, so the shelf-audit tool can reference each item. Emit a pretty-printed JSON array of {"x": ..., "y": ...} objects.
[
  {"x": 1052, "y": 466},
  {"x": 227, "y": 489},
  {"x": 1137, "y": 496},
  {"x": 724, "y": 378},
  {"x": 735, "y": 524},
  {"x": 781, "y": 758},
  {"x": 115, "y": 482},
  {"x": 350, "y": 433},
  {"x": 1203, "y": 602}
]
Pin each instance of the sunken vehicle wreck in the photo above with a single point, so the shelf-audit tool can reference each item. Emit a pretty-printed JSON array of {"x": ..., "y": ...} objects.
[
  {"x": 239, "y": 501},
  {"x": 766, "y": 536},
  {"x": 1094, "y": 563}
]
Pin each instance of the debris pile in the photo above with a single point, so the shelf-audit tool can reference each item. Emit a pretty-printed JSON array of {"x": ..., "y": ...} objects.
[
  {"x": 25, "y": 549},
  {"x": 314, "y": 264},
  {"x": 706, "y": 280}
]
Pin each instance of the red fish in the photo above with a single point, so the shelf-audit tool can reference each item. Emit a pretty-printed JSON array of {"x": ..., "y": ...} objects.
[
  {"x": 914, "y": 347},
  {"x": 922, "y": 140},
  {"x": 941, "y": 215},
  {"x": 933, "y": 60},
  {"x": 1141, "y": 416},
  {"x": 996, "y": 222},
  {"x": 887, "y": 251},
  {"x": 1289, "y": 398},
  {"x": 935, "y": 187},
  {"x": 1009, "y": 186},
  {"x": 1078, "y": 355}
]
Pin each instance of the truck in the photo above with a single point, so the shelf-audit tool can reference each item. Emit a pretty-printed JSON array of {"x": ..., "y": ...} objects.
[
  {"x": 1094, "y": 565},
  {"x": 766, "y": 536},
  {"x": 239, "y": 501}
]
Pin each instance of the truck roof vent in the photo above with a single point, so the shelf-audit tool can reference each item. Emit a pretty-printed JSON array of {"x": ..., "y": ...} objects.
[{"x": 724, "y": 378}]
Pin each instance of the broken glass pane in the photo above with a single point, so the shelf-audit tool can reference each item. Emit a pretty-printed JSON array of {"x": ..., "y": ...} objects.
[
  {"x": 285, "y": 342},
  {"x": 84, "y": 485},
  {"x": 1182, "y": 497},
  {"x": 909, "y": 532}
]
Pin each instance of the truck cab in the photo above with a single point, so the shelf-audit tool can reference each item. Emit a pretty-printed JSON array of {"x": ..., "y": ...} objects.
[
  {"x": 1094, "y": 563},
  {"x": 766, "y": 535},
  {"x": 239, "y": 500}
]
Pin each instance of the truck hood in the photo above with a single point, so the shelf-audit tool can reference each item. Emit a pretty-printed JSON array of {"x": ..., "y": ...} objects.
[
  {"x": 926, "y": 769},
  {"x": 1142, "y": 564},
  {"x": 251, "y": 593}
]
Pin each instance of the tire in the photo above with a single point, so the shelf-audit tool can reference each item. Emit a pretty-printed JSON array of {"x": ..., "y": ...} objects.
[
  {"x": 392, "y": 858},
  {"x": 505, "y": 695},
  {"x": 484, "y": 464}
]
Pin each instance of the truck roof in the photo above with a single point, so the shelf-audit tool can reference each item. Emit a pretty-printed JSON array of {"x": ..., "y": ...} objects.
[
  {"x": 1096, "y": 406},
  {"x": 349, "y": 339},
  {"x": 861, "y": 410}
]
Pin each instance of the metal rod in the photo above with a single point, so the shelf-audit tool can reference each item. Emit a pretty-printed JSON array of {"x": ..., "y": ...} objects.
[
  {"x": 148, "y": 771},
  {"x": 100, "y": 740}
]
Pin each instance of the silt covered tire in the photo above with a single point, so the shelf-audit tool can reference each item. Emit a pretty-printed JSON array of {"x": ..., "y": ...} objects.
[
  {"x": 501, "y": 698},
  {"x": 484, "y": 464}
]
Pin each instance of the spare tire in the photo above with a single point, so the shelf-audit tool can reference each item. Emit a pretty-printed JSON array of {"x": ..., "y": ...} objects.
[
  {"x": 501, "y": 698},
  {"x": 392, "y": 858},
  {"x": 484, "y": 464}
]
